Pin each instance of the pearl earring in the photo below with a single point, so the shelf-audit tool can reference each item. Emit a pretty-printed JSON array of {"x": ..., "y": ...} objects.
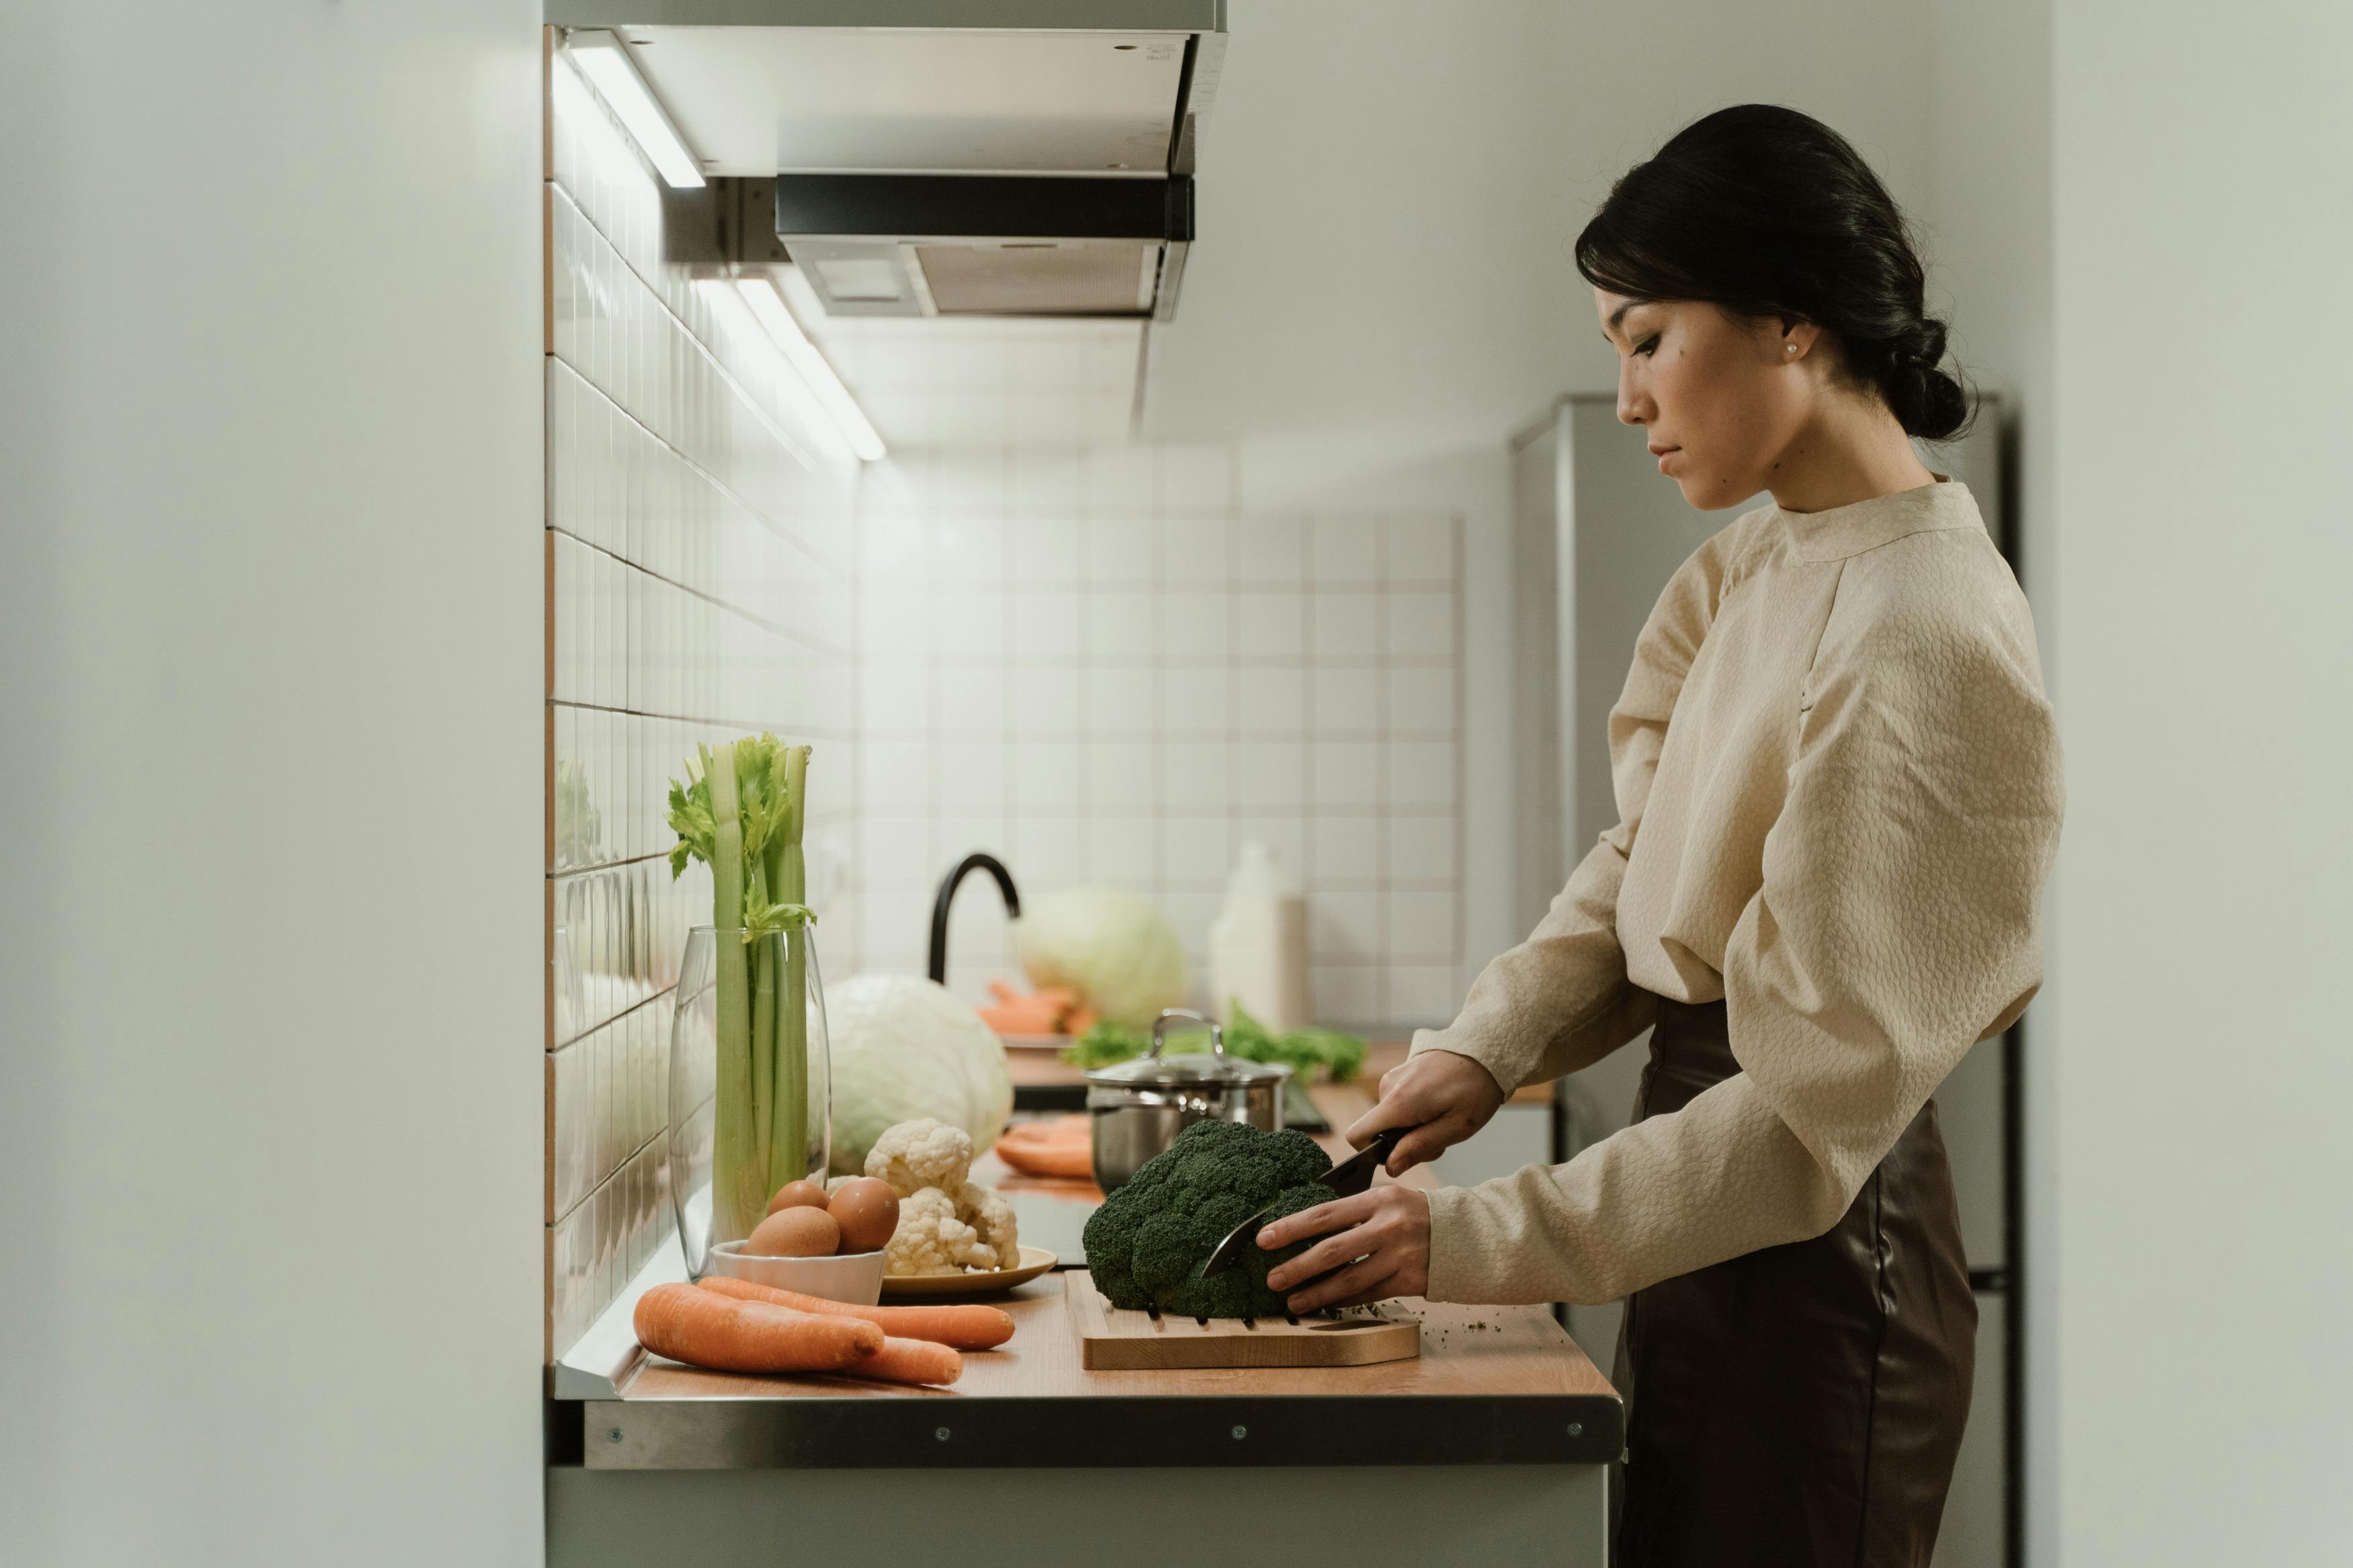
[{"x": 1791, "y": 347}]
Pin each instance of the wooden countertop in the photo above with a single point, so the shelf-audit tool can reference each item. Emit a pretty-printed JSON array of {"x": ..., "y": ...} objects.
[
  {"x": 1493, "y": 1385},
  {"x": 1516, "y": 1350}
]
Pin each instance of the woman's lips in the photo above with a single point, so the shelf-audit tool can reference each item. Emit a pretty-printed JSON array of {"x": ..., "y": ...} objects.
[{"x": 1665, "y": 455}]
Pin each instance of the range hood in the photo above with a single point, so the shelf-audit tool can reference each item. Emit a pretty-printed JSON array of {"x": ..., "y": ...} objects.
[
  {"x": 987, "y": 245},
  {"x": 951, "y": 158}
]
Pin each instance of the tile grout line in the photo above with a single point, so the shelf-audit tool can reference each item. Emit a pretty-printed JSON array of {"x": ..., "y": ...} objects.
[
  {"x": 721, "y": 487},
  {"x": 845, "y": 655}
]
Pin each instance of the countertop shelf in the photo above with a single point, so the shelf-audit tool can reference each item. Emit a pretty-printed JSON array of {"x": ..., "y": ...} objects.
[
  {"x": 1515, "y": 1389},
  {"x": 1492, "y": 1385}
]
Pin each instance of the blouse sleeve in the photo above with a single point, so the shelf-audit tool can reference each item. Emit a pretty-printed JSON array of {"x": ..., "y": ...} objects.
[
  {"x": 1560, "y": 1001},
  {"x": 1897, "y": 926}
]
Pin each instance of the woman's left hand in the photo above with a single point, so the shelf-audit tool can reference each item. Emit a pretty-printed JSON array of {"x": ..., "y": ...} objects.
[{"x": 1383, "y": 1235}]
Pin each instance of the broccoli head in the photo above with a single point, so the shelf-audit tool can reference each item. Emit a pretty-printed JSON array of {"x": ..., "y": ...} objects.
[{"x": 1145, "y": 1246}]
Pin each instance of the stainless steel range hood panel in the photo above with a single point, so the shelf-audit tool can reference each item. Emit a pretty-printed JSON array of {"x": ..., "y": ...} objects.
[
  {"x": 911, "y": 245},
  {"x": 765, "y": 100}
]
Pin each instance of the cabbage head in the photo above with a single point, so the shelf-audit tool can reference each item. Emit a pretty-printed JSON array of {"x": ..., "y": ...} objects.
[
  {"x": 903, "y": 1048},
  {"x": 1113, "y": 948}
]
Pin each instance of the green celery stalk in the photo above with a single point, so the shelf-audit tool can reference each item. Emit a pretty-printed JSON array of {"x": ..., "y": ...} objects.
[
  {"x": 787, "y": 879},
  {"x": 737, "y": 1169},
  {"x": 743, "y": 816}
]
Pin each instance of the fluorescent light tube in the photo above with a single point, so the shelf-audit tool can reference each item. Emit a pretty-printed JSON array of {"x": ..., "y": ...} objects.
[
  {"x": 604, "y": 59},
  {"x": 768, "y": 307}
]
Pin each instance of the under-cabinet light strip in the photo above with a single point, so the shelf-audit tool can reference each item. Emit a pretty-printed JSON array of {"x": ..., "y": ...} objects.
[
  {"x": 768, "y": 307},
  {"x": 604, "y": 59}
]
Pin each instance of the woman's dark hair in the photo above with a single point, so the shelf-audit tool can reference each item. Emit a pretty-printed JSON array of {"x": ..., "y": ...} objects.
[{"x": 1767, "y": 212}]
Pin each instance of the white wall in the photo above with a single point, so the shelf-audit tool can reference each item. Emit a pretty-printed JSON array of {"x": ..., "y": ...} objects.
[
  {"x": 1383, "y": 292},
  {"x": 270, "y": 738},
  {"x": 2203, "y": 648},
  {"x": 1986, "y": 217}
]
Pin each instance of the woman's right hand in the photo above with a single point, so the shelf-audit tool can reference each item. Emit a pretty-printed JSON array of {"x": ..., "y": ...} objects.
[{"x": 1443, "y": 1096}]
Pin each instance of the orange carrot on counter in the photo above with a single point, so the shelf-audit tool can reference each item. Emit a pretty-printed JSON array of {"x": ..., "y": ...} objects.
[
  {"x": 910, "y": 1361},
  {"x": 1050, "y": 1150},
  {"x": 1048, "y": 1010},
  {"x": 964, "y": 1328},
  {"x": 706, "y": 1329}
]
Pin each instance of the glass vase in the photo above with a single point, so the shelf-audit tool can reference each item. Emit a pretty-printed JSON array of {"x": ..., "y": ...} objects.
[{"x": 751, "y": 1104}]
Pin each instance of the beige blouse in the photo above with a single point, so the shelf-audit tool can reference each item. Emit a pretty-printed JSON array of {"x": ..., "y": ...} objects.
[{"x": 1839, "y": 792}]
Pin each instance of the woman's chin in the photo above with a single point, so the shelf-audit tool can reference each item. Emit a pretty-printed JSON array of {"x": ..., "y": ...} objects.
[{"x": 1713, "y": 493}]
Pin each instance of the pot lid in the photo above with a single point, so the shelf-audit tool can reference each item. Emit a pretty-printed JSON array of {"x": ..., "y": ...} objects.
[
  {"x": 1191, "y": 1067},
  {"x": 1212, "y": 1066}
]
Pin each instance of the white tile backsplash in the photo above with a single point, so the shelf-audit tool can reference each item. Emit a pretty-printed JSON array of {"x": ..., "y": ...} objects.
[
  {"x": 702, "y": 553},
  {"x": 1347, "y": 700},
  {"x": 1047, "y": 701},
  {"x": 1346, "y": 552},
  {"x": 1417, "y": 554},
  {"x": 1126, "y": 677},
  {"x": 1269, "y": 551},
  {"x": 1344, "y": 629}
]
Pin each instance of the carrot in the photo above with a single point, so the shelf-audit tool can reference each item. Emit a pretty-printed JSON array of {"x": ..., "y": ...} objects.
[
  {"x": 1048, "y": 1156},
  {"x": 706, "y": 1330},
  {"x": 1048, "y": 1010},
  {"x": 911, "y": 1361},
  {"x": 1064, "y": 1147},
  {"x": 964, "y": 1328},
  {"x": 1016, "y": 1014},
  {"x": 1062, "y": 1129}
]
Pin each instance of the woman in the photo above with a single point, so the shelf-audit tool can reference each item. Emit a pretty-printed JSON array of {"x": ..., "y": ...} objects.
[{"x": 1839, "y": 791}]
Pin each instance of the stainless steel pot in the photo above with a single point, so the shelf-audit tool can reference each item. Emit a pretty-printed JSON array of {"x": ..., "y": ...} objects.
[{"x": 1140, "y": 1106}]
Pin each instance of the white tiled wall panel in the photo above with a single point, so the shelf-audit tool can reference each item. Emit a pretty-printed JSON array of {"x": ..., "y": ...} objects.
[
  {"x": 700, "y": 583},
  {"x": 1094, "y": 663},
  {"x": 989, "y": 381}
]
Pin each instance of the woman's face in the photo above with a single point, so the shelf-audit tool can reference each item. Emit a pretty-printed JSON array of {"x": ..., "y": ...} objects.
[{"x": 1722, "y": 398}]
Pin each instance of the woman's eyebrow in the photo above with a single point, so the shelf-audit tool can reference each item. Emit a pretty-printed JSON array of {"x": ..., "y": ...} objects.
[{"x": 1618, "y": 316}]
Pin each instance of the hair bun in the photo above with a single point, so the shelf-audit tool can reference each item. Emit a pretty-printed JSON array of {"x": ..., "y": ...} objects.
[
  {"x": 1925, "y": 401},
  {"x": 1923, "y": 346}
]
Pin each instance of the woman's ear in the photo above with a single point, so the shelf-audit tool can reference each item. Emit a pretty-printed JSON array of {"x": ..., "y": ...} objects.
[{"x": 1798, "y": 339}]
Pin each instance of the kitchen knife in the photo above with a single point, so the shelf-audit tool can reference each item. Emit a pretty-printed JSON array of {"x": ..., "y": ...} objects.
[{"x": 1349, "y": 1177}]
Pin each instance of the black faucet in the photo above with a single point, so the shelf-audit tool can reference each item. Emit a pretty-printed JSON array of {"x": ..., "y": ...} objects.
[{"x": 995, "y": 867}]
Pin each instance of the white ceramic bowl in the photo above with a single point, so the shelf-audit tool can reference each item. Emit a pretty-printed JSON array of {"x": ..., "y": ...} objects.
[{"x": 854, "y": 1279}]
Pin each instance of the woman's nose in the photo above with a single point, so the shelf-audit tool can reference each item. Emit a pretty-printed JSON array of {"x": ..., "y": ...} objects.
[{"x": 1633, "y": 408}]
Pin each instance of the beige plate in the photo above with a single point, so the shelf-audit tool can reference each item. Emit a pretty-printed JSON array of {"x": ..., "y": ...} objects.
[{"x": 1035, "y": 1260}]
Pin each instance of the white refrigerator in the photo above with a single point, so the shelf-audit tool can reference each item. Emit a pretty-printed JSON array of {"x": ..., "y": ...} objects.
[{"x": 1596, "y": 534}]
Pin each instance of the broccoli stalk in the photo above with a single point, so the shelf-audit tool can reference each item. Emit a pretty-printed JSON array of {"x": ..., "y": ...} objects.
[{"x": 1146, "y": 1244}]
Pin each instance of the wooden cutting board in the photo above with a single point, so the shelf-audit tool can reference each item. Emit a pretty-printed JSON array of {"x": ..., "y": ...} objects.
[{"x": 1112, "y": 1340}]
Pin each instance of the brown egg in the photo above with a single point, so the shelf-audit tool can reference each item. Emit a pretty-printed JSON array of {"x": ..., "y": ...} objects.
[
  {"x": 868, "y": 1212},
  {"x": 799, "y": 1195},
  {"x": 795, "y": 1233}
]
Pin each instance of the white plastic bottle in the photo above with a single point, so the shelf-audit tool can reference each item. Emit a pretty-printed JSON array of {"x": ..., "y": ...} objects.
[{"x": 1257, "y": 945}]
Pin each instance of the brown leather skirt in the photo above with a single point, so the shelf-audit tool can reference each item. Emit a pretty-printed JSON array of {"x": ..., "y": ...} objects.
[{"x": 1801, "y": 1405}]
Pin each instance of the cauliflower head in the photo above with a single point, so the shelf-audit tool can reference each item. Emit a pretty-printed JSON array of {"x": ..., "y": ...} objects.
[
  {"x": 988, "y": 1211},
  {"x": 925, "y": 1152},
  {"x": 931, "y": 1239}
]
